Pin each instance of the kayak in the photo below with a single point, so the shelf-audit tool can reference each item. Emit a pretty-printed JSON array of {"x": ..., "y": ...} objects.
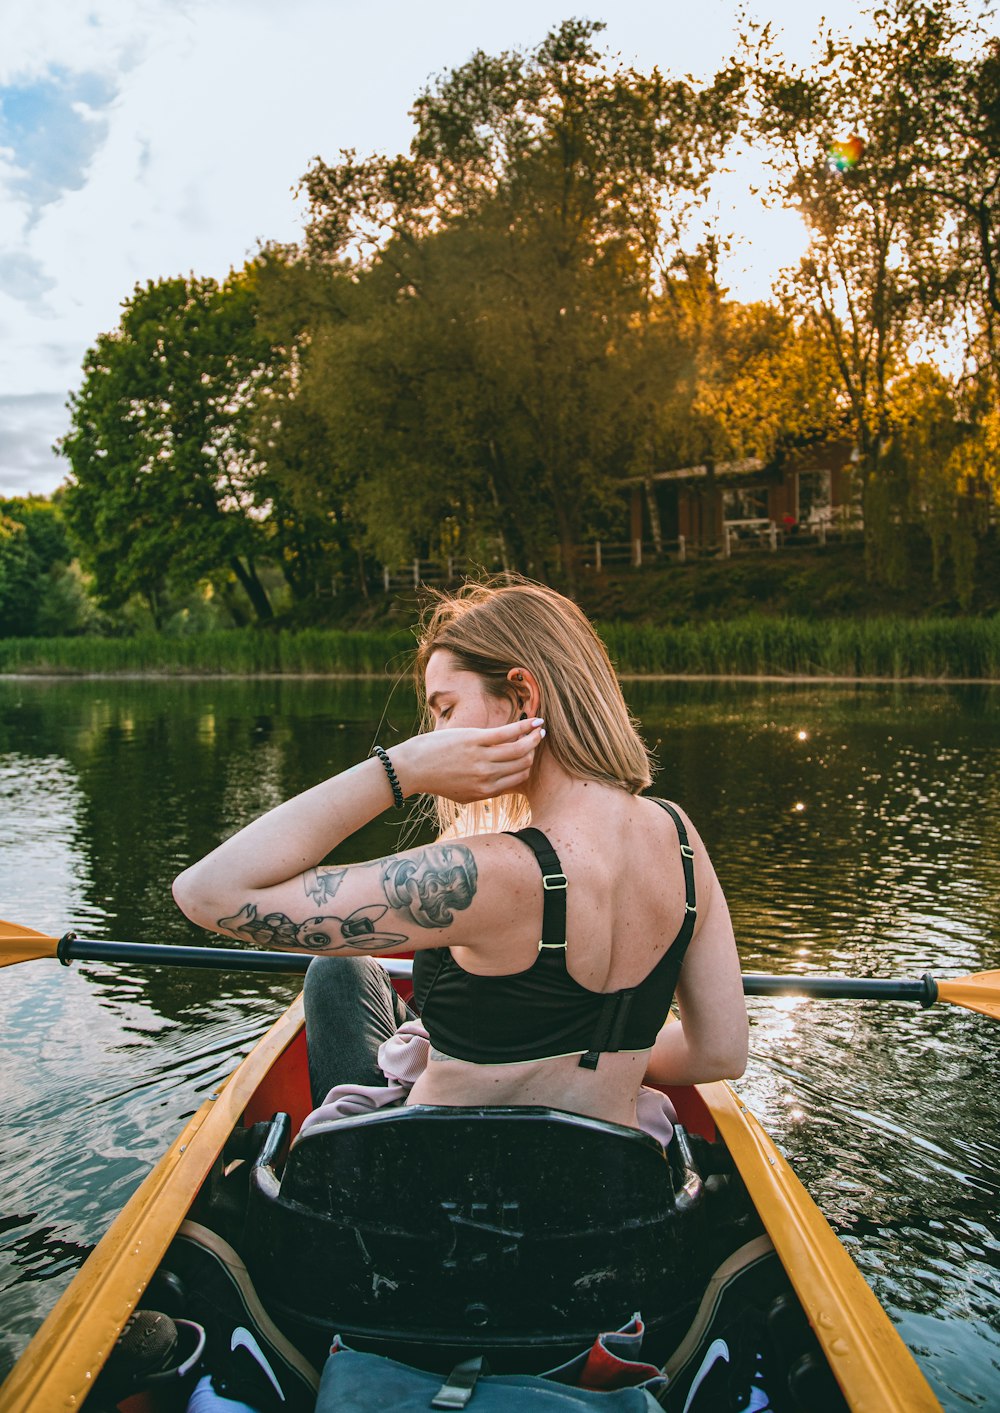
[{"x": 522, "y": 1234}]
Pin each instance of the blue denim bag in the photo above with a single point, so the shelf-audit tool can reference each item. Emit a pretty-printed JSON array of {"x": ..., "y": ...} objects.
[{"x": 364, "y": 1383}]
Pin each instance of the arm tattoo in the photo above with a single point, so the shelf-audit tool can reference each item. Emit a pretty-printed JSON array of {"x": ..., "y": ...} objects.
[
  {"x": 427, "y": 891},
  {"x": 322, "y": 884},
  {"x": 315, "y": 934},
  {"x": 431, "y": 888}
]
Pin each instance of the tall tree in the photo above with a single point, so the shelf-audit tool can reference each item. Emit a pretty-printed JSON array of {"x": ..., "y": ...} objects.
[
  {"x": 320, "y": 535},
  {"x": 957, "y": 167},
  {"x": 752, "y": 379},
  {"x": 507, "y": 261},
  {"x": 165, "y": 489}
]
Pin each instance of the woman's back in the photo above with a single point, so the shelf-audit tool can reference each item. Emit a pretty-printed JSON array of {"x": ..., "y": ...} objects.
[{"x": 628, "y": 916}]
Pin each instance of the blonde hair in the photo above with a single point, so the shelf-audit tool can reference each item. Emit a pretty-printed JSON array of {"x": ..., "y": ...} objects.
[{"x": 491, "y": 628}]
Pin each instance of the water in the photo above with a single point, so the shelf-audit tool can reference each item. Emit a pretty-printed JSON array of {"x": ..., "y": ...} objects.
[{"x": 855, "y": 830}]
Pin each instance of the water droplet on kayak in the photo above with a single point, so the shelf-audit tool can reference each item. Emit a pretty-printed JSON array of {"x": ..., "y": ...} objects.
[{"x": 839, "y": 1346}]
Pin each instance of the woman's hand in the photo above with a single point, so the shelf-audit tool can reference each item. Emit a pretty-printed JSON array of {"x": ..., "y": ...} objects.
[{"x": 468, "y": 763}]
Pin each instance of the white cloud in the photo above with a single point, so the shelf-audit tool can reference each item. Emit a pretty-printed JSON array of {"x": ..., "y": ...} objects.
[{"x": 101, "y": 36}]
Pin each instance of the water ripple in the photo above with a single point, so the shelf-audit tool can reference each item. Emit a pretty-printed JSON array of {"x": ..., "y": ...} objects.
[{"x": 855, "y": 830}]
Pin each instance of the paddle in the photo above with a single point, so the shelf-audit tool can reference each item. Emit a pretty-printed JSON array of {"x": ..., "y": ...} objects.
[{"x": 979, "y": 992}]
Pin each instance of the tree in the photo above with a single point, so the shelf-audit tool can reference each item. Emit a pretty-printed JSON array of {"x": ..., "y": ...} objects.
[
  {"x": 503, "y": 267},
  {"x": 736, "y": 380},
  {"x": 34, "y": 555},
  {"x": 857, "y": 145},
  {"x": 947, "y": 466},
  {"x": 317, "y": 532},
  {"x": 165, "y": 489},
  {"x": 958, "y": 167}
]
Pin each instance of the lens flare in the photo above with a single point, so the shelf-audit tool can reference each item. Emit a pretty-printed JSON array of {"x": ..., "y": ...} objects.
[{"x": 845, "y": 154}]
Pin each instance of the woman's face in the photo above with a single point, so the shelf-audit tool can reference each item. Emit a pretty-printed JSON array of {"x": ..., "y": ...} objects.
[{"x": 458, "y": 698}]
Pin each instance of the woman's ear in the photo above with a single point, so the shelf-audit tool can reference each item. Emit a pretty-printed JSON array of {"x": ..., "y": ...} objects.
[{"x": 526, "y": 691}]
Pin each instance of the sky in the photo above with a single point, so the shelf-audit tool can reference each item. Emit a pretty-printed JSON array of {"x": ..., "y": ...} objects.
[{"x": 141, "y": 139}]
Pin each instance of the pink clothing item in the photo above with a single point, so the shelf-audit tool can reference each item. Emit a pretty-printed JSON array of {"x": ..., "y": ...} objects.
[{"x": 402, "y": 1059}]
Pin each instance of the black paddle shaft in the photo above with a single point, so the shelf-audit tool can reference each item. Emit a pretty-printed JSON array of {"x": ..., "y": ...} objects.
[
  {"x": 74, "y": 949},
  {"x": 845, "y": 988}
]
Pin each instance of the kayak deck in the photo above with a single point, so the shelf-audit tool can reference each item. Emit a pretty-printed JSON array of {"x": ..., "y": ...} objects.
[{"x": 836, "y": 1317}]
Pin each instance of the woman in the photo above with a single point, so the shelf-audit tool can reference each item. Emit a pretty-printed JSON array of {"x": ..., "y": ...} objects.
[{"x": 546, "y": 959}]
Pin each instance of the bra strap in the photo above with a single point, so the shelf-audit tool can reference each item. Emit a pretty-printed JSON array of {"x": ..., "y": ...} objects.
[
  {"x": 687, "y": 860},
  {"x": 554, "y": 884}
]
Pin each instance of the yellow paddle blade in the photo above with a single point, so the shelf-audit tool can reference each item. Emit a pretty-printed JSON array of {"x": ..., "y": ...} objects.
[
  {"x": 23, "y": 944},
  {"x": 980, "y": 992}
]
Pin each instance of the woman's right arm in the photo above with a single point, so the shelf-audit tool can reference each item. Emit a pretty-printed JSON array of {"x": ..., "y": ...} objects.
[
  {"x": 265, "y": 884},
  {"x": 711, "y": 1039}
]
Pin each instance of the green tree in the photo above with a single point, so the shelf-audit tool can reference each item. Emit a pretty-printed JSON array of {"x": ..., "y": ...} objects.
[
  {"x": 739, "y": 380},
  {"x": 503, "y": 268},
  {"x": 947, "y": 481},
  {"x": 315, "y": 520},
  {"x": 957, "y": 167},
  {"x": 34, "y": 562},
  {"x": 165, "y": 489}
]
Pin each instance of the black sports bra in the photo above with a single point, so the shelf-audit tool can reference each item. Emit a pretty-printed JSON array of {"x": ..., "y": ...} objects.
[{"x": 542, "y": 1012}]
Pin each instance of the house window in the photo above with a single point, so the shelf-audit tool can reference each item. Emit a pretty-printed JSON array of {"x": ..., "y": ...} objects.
[
  {"x": 747, "y": 503},
  {"x": 814, "y": 497}
]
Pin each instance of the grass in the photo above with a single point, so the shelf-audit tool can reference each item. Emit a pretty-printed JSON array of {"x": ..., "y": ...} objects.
[
  {"x": 749, "y": 645},
  {"x": 757, "y": 645},
  {"x": 243, "y": 652}
]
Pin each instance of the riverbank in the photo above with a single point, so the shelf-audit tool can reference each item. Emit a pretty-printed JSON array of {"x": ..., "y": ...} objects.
[{"x": 752, "y": 645}]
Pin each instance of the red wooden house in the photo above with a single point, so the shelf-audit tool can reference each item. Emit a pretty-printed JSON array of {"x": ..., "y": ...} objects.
[{"x": 805, "y": 492}]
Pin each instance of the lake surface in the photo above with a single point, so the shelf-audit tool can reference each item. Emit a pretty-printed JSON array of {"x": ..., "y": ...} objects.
[{"x": 856, "y": 829}]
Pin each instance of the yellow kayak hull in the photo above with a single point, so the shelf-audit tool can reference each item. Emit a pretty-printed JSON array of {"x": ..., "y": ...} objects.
[{"x": 874, "y": 1369}]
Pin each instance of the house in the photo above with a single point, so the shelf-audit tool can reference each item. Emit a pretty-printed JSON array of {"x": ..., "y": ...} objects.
[{"x": 806, "y": 491}]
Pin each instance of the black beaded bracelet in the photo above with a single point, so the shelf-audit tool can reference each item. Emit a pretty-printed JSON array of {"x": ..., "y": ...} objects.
[{"x": 397, "y": 794}]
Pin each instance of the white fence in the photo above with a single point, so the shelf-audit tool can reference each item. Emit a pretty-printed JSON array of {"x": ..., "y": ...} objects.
[{"x": 739, "y": 537}]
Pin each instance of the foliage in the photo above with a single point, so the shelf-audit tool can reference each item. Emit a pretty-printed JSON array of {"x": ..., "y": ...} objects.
[
  {"x": 947, "y": 473},
  {"x": 753, "y": 381},
  {"x": 165, "y": 489},
  {"x": 503, "y": 273},
  {"x": 478, "y": 340},
  {"x": 880, "y": 647},
  {"x": 889, "y": 258},
  {"x": 244, "y": 651},
  {"x": 957, "y": 168},
  {"x": 39, "y": 591}
]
